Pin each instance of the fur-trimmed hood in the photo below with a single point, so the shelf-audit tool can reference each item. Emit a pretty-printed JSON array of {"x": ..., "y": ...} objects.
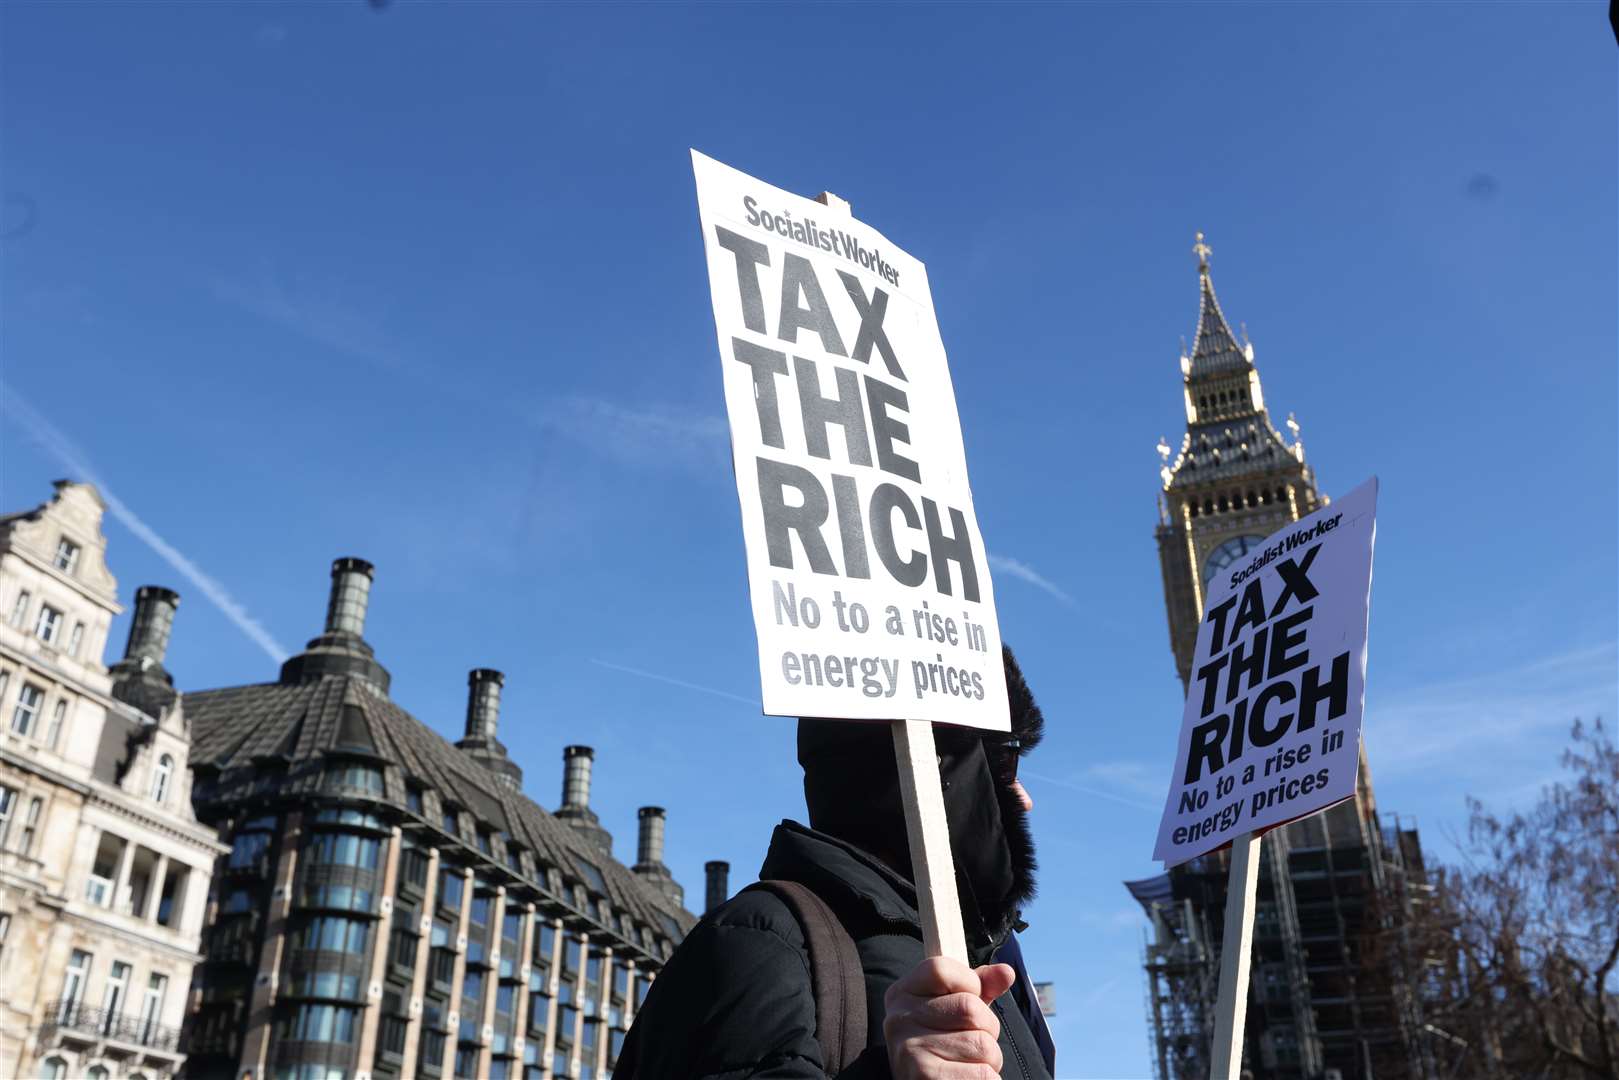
[{"x": 851, "y": 786}]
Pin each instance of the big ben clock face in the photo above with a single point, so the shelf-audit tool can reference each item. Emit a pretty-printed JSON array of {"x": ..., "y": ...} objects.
[{"x": 1230, "y": 551}]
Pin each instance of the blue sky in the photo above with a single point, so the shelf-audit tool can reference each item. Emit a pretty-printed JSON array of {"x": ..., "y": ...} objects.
[{"x": 425, "y": 285}]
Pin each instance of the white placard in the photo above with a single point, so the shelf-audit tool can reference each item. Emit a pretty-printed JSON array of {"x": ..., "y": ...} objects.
[
  {"x": 1271, "y": 730},
  {"x": 870, "y": 587}
]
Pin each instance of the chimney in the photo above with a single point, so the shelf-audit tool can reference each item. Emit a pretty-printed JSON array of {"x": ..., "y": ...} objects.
[
  {"x": 483, "y": 717},
  {"x": 483, "y": 702},
  {"x": 341, "y": 650},
  {"x": 351, "y": 589},
  {"x": 718, "y": 876},
  {"x": 649, "y": 847},
  {"x": 139, "y": 679},
  {"x": 154, "y": 618},
  {"x": 576, "y": 762},
  {"x": 575, "y": 808},
  {"x": 649, "y": 854}
]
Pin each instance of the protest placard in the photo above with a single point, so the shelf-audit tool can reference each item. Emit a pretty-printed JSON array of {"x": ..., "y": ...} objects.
[
  {"x": 1271, "y": 729},
  {"x": 870, "y": 588}
]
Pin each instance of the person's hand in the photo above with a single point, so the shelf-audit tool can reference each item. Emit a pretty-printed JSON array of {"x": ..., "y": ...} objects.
[{"x": 938, "y": 1023}]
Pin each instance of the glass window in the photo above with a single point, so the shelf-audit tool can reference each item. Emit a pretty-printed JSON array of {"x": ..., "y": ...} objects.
[
  {"x": 67, "y": 556},
  {"x": 449, "y": 821},
  {"x": 320, "y": 1023},
  {"x": 29, "y": 699},
  {"x": 112, "y": 996},
  {"x": 413, "y": 798},
  {"x": 8, "y": 806},
  {"x": 349, "y": 816},
  {"x": 247, "y": 848},
  {"x": 367, "y": 778},
  {"x": 545, "y": 941},
  {"x": 327, "y": 984},
  {"x": 49, "y": 624},
  {"x": 511, "y": 927},
  {"x": 53, "y": 730},
  {"x": 472, "y": 993},
  {"x": 19, "y": 610},
  {"x": 30, "y": 826},
  {"x": 152, "y": 1005},
  {"x": 160, "y": 778},
  {"x": 479, "y": 912},
  {"x": 344, "y": 849},
  {"x": 486, "y": 841},
  {"x": 593, "y": 876},
  {"x": 78, "y": 972},
  {"x": 346, "y": 897},
  {"x": 55, "y": 1069},
  {"x": 451, "y": 884},
  {"x": 334, "y": 933}
]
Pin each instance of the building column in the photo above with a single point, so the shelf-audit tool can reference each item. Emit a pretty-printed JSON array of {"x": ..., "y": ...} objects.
[
  {"x": 418, "y": 979},
  {"x": 447, "y": 1066},
  {"x": 604, "y": 1009},
  {"x": 553, "y": 981},
  {"x": 371, "y": 1018},
  {"x": 260, "y": 1019},
  {"x": 576, "y": 1036},
  {"x": 120, "y": 888},
  {"x": 154, "y": 898},
  {"x": 492, "y": 990},
  {"x": 524, "y": 968}
]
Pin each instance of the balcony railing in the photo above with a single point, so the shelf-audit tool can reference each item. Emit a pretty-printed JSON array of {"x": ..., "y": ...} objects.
[{"x": 83, "y": 1020}]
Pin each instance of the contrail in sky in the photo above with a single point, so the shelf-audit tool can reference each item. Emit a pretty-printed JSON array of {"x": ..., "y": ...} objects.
[
  {"x": 1088, "y": 790},
  {"x": 677, "y": 682},
  {"x": 60, "y": 447},
  {"x": 1019, "y": 569}
]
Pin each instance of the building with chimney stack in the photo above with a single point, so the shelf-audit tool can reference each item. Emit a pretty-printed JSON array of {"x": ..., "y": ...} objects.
[
  {"x": 392, "y": 904},
  {"x": 104, "y": 869},
  {"x": 1333, "y": 993}
]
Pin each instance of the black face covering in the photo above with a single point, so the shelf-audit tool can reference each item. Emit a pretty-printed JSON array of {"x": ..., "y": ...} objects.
[{"x": 851, "y": 786}]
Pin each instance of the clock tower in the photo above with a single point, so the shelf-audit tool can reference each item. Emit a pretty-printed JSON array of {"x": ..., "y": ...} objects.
[
  {"x": 1234, "y": 480},
  {"x": 1333, "y": 990}
]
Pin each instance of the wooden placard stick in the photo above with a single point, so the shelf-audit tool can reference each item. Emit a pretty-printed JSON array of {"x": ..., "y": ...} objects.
[
  {"x": 932, "y": 867},
  {"x": 1236, "y": 954}
]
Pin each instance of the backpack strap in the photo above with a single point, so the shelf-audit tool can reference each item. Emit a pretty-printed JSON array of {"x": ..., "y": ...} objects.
[{"x": 835, "y": 974}]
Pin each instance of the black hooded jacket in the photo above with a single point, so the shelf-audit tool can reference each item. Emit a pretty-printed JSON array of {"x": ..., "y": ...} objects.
[{"x": 735, "y": 1000}]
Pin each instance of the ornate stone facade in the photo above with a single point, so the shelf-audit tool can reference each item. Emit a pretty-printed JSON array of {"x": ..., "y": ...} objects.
[{"x": 104, "y": 868}]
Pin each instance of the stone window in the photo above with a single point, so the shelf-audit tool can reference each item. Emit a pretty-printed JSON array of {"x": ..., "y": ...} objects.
[
  {"x": 161, "y": 777},
  {"x": 75, "y": 639},
  {"x": 48, "y": 627},
  {"x": 30, "y": 825},
  {"x": 8, "y": 805},
  {"x": 53, "y": 730},
  {"x": 29, "y": 699},
  {"x": 19, "y": 610},
  {"x": 67, "y": 556}
]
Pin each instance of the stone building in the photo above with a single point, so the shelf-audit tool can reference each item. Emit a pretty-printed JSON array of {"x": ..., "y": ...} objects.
[
  {"x": 1332, "y": 993},
  {"x": 392, "y": 905},
  {"x": 104, "y": 869}
]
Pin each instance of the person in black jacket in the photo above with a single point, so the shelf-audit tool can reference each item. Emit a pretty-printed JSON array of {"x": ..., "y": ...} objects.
[{"x": 735, "y": 1000}]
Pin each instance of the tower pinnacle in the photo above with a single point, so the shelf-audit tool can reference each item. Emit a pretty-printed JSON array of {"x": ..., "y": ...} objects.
[{"x": 1202, "y": 251}]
